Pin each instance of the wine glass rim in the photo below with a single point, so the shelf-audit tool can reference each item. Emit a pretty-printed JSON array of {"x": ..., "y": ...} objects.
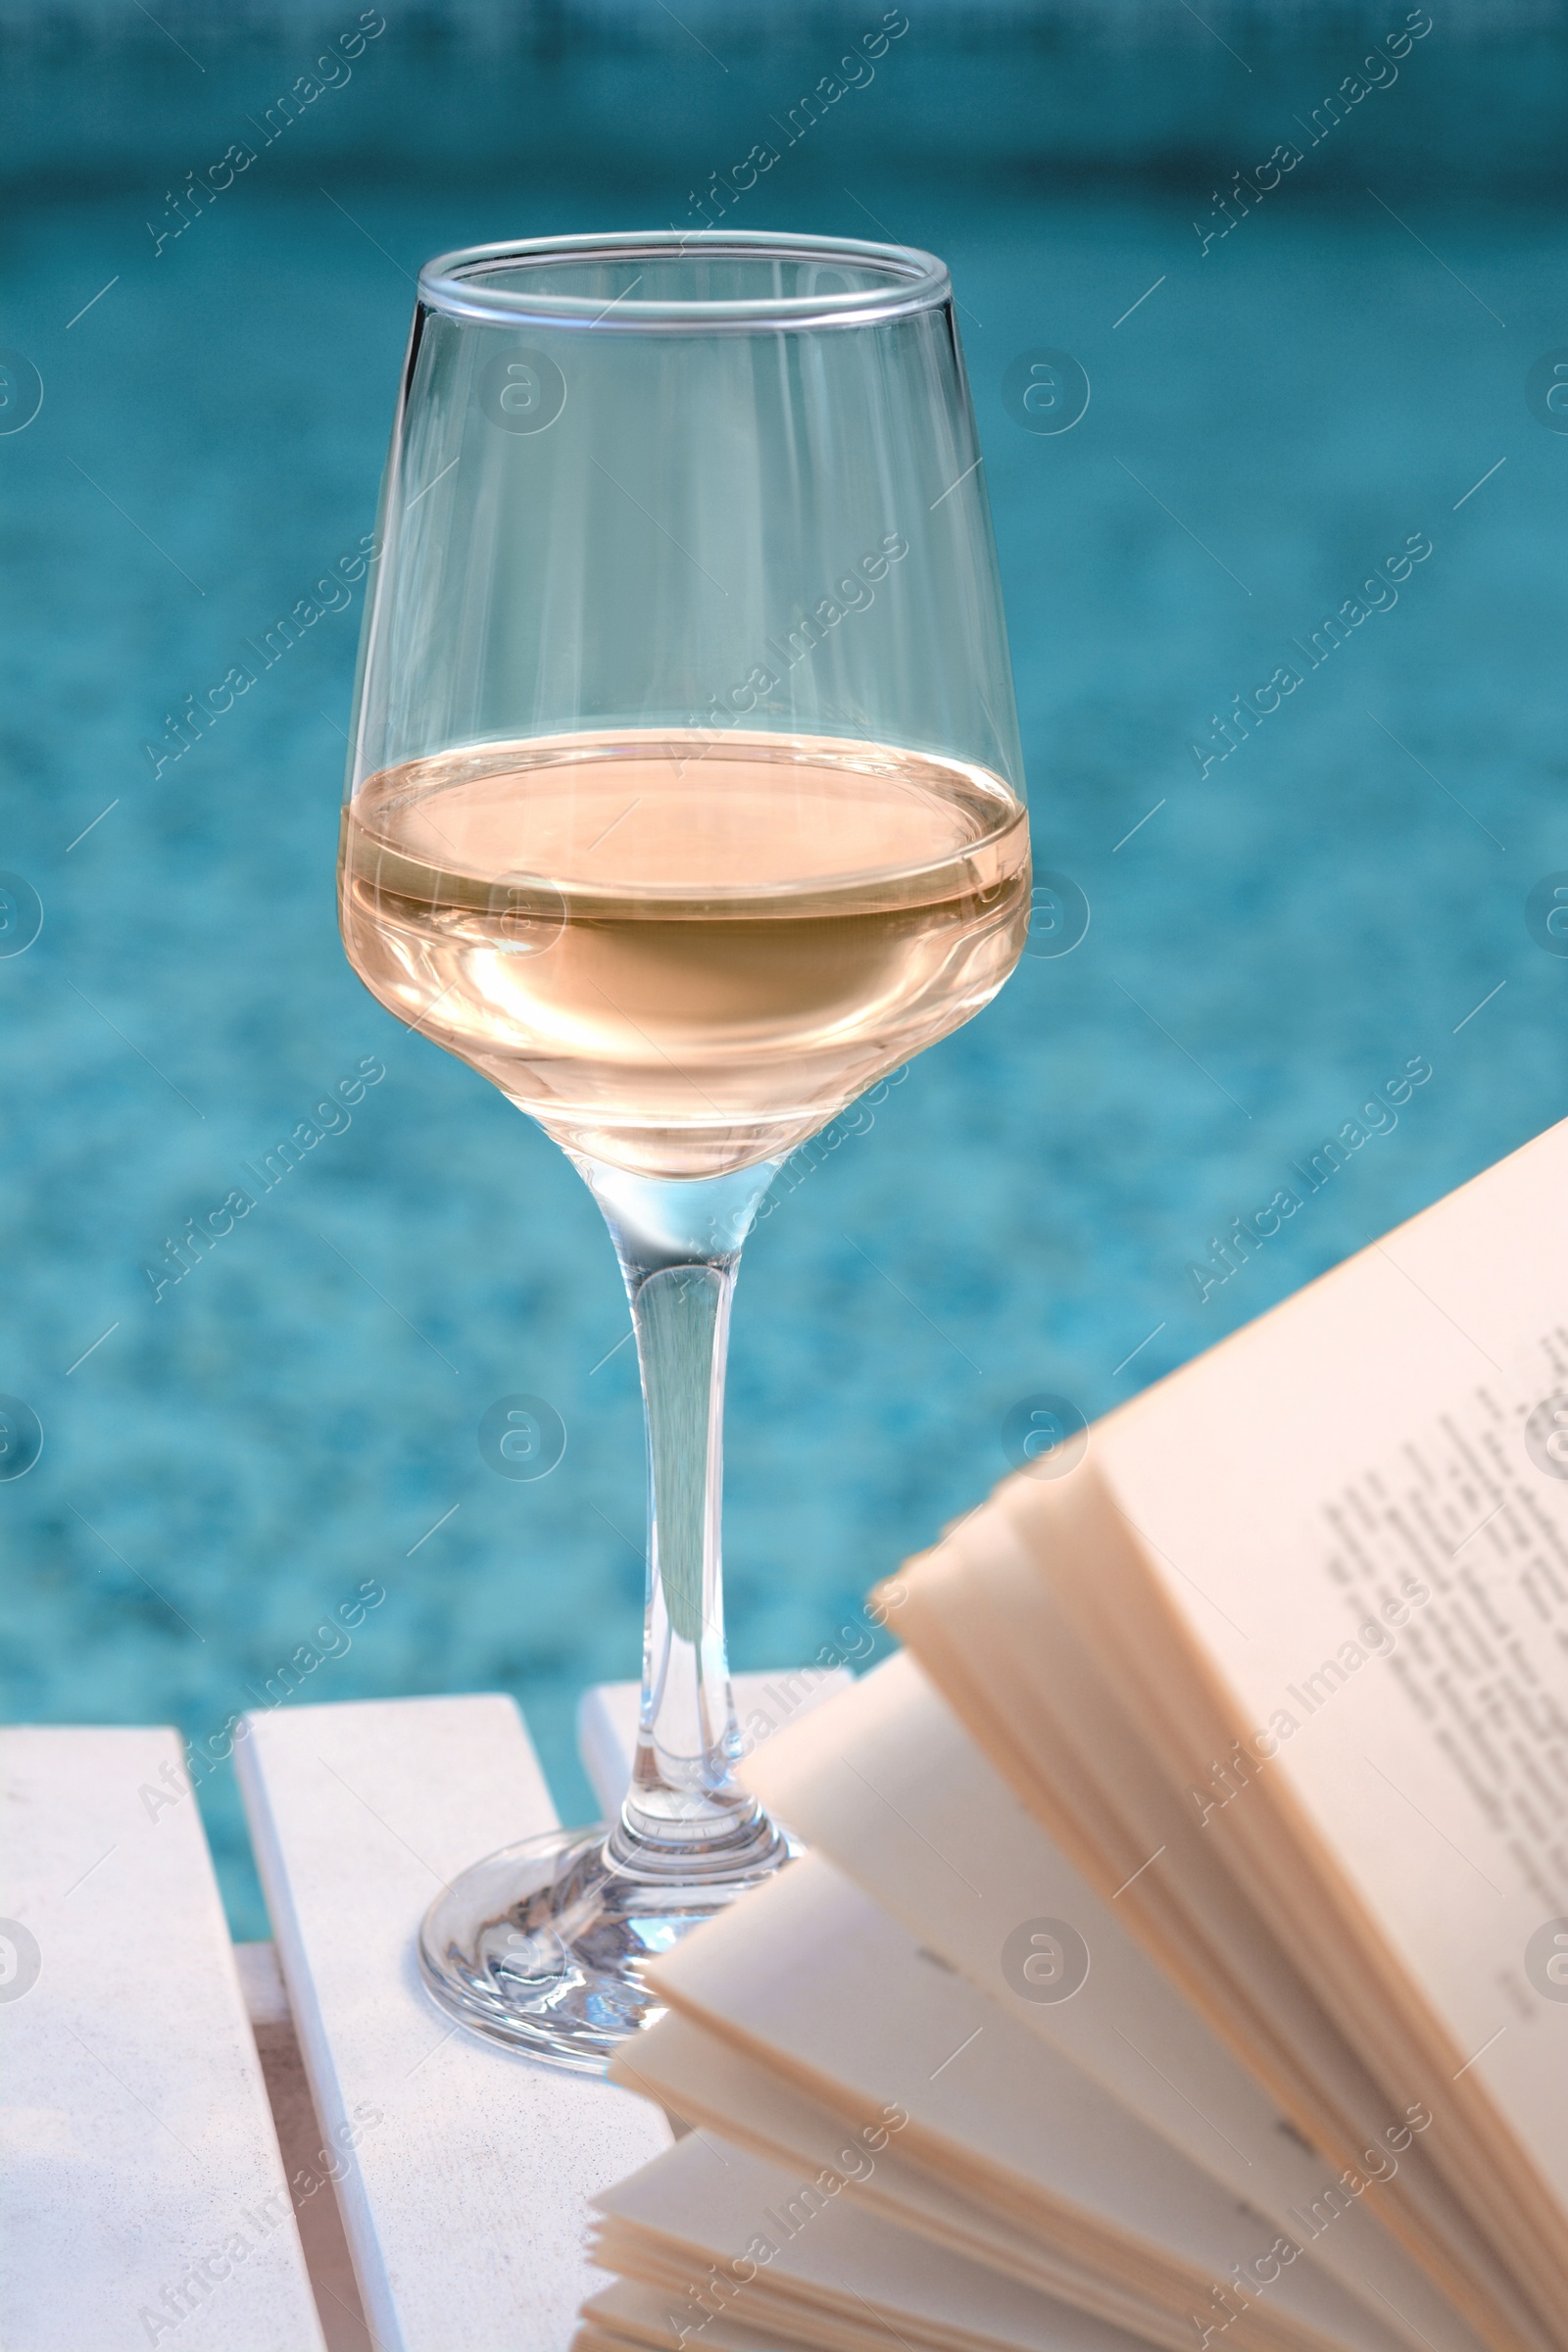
[{"x": 913, "y": 281}]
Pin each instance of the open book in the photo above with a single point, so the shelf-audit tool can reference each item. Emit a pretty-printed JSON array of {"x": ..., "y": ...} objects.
[{"x": 1183, "y": 1954}]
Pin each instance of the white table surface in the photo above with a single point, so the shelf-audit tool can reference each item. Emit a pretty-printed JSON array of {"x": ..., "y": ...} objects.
[
  {"x": 142, "y": 2196},
  {"x": 161, "y": 2090},
  {"x": 465, "y": 2201}
]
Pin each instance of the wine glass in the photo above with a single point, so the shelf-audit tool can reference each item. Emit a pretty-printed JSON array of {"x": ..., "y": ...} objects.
[{"x": 684, "y": 803}]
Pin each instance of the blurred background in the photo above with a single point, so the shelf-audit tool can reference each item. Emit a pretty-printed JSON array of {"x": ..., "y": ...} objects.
[{"x": 1295, "y": 372}]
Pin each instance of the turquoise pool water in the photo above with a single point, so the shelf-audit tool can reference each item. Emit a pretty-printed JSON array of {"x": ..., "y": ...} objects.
[{"x": 1275, "y": 933}]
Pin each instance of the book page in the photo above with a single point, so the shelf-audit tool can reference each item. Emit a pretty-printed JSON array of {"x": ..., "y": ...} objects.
[
  {"x": 810, "y": 1978},
  {"x": 625, "y": 2312},
  {"x": 1358, "y": 1509},
  {"x": 886, "y": 1783},
  {"x": 718, "y": 2086},
  {"x": 696, "y": 2223},
  {"x": 1004, "y": 1614}
]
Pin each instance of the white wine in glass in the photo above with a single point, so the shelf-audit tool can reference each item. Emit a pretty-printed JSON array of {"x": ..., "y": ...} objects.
[
  {"x": 684, "y": 804},
  {"x": 683, "y": 955}
]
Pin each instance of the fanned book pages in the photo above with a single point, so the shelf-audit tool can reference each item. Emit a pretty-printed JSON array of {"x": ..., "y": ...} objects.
[{"x": 1183, "y": 1955}]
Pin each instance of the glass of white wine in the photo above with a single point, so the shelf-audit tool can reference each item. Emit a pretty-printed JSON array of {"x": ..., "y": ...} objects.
[{"x": 684, "y": 803}]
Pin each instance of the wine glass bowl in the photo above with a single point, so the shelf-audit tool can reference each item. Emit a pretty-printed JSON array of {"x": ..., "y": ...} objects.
[
  {"x": 682, "y": 955},
  {"x": 684, "y": 803}
]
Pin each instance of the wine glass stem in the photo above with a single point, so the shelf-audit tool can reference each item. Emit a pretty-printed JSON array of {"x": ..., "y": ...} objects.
[{"x": 679, "y": 1248}]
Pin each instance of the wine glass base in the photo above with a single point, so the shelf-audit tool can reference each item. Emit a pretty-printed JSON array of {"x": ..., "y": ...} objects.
[{"x": 542, "y": 1946}]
